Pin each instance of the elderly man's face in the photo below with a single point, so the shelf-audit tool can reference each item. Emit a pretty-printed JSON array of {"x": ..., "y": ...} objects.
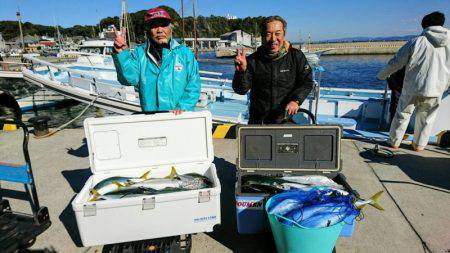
[
  {"x": 274, "y": 37},
  {"x": 160, "y": 31}
]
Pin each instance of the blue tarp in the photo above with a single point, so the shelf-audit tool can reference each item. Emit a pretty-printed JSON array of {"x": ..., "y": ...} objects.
[{"x": 314, "y": 207}]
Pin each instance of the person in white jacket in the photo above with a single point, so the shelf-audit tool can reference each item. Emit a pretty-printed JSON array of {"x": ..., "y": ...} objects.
[{"x": 427, "y": 77}]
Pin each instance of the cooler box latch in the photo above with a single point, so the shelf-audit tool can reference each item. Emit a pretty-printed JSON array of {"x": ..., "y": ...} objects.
[
  {"x": 148, "y": 203},
  {"x": 89, "y": 210},
  {"x": 204, "y": 196}
]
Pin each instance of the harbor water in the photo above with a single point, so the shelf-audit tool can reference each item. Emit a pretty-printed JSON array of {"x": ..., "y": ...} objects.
[
  {"x": 349, "y": 71},
  {"x": 340, "y": 71}
]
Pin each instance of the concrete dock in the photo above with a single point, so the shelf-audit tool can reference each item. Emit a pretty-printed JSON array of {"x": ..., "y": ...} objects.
[{"x": 416, "y": 196}]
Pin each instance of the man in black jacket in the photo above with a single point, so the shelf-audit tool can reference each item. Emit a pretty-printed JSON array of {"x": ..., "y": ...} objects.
[
  {"x": 278, "y": 75},
  {"x": 395, "y": 83}
]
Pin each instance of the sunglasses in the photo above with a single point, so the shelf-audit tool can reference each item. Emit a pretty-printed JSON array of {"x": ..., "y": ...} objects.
[{"x": 158, "y": 23}]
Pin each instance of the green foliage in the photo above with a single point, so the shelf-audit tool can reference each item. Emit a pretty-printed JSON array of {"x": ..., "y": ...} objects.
[
  {"x": 212, "y": 26},
  {"x": 9, "y": 29},
  {"x": 79, "y": 30}
]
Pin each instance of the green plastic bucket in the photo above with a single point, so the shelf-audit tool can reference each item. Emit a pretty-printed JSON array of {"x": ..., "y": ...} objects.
[{"x": 293, "y": 239}]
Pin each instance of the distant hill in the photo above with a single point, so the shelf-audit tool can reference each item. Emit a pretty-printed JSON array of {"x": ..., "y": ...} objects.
[
  {"x": 212, "y": 26},
  {"x": 365, "y": 39}
]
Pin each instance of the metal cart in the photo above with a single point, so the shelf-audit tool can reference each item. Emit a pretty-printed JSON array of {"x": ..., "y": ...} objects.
[{"x": 18, "y": 231}]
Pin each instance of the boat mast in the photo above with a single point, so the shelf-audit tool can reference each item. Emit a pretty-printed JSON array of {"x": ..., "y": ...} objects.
[
  {"x": 195, "y": 31},
  {"x": 58, "y": 34},
  {"x": 124, "y": 21},
  {"x": 255, "y": 43},
  {"x": 309, "y": 43},
  {"x": 300, "y": 39},
  {"x": 182, "y": 19},
  {"x": 20, "y": 27},
  {"x": 100, "y": 20}
]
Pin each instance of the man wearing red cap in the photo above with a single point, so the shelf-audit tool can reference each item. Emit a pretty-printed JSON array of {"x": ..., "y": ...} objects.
[{"x": 165, "y": 72}]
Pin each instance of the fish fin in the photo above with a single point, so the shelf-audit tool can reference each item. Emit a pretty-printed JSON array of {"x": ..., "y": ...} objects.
[
  {"x": 173, "y": 173},
  {"x": 374, "y": 201},
  {"x": 146, "y": 175},
  {"x": 119, "y": 185}
]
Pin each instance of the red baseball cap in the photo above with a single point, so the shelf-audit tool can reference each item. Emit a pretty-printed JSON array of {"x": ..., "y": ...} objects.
[{"x": 156, "y": 13}]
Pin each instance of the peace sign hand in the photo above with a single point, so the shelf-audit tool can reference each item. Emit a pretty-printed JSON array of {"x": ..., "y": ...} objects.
[
  {"x": 240, "y": 62},
  {"x": 120, "y": 42}
]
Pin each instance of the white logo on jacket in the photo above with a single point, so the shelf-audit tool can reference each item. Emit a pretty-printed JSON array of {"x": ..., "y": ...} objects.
[{"x": 178, "y": 67}]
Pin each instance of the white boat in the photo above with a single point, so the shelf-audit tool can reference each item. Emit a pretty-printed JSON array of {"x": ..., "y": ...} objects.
[
  {"x": 230, "y": 51},
  {"x": 40, "y": 99},
  {"x": 362, "y": 112},
  {"x": 103, "y": 47}
]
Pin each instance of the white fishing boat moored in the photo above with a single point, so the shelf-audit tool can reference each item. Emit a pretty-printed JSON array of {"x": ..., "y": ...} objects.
[{"x": 363, "y": 113}]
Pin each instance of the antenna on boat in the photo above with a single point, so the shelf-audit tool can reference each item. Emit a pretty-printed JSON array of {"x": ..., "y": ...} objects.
[
  {"x": 195, "y": 31},
  {"x": 20, "y": 27}
]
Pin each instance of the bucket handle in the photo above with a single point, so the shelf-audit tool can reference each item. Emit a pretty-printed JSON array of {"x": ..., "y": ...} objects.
[
  {"x": 295, "y": 223},
  {"x": 284, "y": 218}
]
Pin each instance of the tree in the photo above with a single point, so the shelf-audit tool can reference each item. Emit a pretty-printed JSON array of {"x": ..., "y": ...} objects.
[{"x": 212, "y": 26}]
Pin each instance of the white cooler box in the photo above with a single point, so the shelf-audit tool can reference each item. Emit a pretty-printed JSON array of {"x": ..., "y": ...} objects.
[{"x": 132, "y": 145}]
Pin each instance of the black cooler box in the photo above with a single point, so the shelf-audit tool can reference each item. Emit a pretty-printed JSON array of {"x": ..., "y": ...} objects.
[{"x": 283, "y": 150}]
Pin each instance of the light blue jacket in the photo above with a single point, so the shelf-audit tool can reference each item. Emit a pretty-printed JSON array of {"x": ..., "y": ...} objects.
[{"x": 173, "y": 85}]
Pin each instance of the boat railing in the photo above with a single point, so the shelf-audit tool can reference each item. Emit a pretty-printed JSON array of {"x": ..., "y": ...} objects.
[
  {"x": 217, "y": 86},
  {"x": 11, "y": 66},
  {"x": 83, "y": 80},
  {"x": 211, "y": 82},
  {"x": 91, "y": 83},
  {"x": 351, "y": 91},
  {"x": 210, "y": 73},
  {"x": 78, "y": 53},
  {"x": 216, "y": 81},
  {"x": 35, "y": 61}
]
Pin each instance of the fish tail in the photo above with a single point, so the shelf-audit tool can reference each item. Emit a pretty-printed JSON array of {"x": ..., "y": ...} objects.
[
  {"x": 374, "y": 201},
  {"x": 95, "y": 195},
  {"x": 173, "y": 173},
  {"x": 93, "y": 191},
  {"x": 146, "y": 175}
]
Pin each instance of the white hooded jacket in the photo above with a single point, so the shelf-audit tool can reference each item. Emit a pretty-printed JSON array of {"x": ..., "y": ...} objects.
[{"x": 427, "y": 61}]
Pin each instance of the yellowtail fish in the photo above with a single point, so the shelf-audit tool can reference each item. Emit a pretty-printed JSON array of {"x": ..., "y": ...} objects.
[
  {"x": 170, "y": 183},
  {"x": 373, "y": 201},
  {"x": 112, "y": 184},
  {"x": 190, "y": 181}
]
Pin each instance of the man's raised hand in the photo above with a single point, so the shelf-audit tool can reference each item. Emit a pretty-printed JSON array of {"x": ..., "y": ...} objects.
[
  {"x": 120, "y": 42},
  {"x": 240, "y": 62}
]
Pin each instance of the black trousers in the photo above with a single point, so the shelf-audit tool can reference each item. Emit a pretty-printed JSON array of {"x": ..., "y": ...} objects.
[{"x": 395, "y": 96}]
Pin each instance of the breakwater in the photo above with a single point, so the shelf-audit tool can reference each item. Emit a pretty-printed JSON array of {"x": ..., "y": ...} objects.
[{"x": 355, "y": 48}]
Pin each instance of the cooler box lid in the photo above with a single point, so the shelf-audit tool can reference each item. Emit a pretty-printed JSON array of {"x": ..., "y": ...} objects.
[
  {"x": 137, "y": 141},
  {"x": 289, "y": 148}
]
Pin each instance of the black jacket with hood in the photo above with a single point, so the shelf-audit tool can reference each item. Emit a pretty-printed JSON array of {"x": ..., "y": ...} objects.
[{"x": 273, "y": 84}]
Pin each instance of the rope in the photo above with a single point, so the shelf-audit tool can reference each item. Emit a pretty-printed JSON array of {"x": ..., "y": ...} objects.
[
  {"x": 70, "y": 122},
  {"x": 381, "y": 152}
]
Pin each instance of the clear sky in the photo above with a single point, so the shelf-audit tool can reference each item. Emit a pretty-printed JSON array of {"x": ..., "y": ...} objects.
[{"x": 321, "y": 19}]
